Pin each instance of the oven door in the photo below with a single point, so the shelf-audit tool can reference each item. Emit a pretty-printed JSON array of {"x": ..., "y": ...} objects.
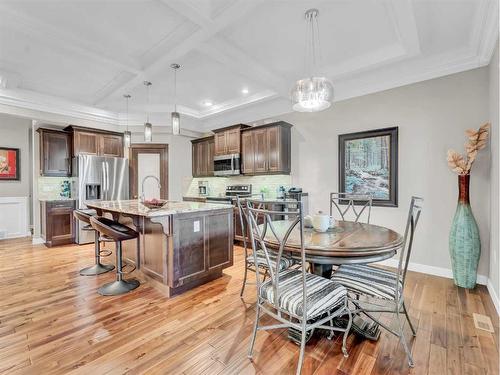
[{"x": 227, "y": 165}]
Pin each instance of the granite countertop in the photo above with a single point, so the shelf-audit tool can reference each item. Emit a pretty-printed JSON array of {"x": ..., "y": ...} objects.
[
  {"x": 270, "y": 199},
  {"x": 134, "y": 207},
  {"x": 56, "y": 199}
]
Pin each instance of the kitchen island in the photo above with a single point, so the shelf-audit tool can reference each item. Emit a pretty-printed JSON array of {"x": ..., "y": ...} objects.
[{"x": 180, "y": 246}]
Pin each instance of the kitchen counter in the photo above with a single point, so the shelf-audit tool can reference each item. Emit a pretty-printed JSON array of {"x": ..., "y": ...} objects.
[
  {"x": 180, "y": 246},
  {"x": 61, "y": 199},
  {"x": 135, "y": 207}
]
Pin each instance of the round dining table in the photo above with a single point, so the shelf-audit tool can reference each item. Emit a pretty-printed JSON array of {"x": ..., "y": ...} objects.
[{"x": 347, "y": 242}]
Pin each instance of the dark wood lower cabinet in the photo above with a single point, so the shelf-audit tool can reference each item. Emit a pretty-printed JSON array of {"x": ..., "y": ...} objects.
[{"x": 57, "y": 222}]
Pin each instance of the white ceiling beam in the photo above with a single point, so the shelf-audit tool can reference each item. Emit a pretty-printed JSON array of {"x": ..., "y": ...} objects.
[
  {"x": 62, "y": 41},
  {"x": 231, "y": 15}
]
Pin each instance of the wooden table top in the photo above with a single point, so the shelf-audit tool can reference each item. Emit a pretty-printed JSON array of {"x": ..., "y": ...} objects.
[{"x": 347, "y": 239}]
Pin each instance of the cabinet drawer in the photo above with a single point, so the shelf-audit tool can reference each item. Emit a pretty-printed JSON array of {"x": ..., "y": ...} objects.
[{"x": 60, "y": 205}]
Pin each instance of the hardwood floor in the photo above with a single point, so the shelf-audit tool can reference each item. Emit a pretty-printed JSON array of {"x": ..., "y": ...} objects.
[{"x": 52, "y": 321}]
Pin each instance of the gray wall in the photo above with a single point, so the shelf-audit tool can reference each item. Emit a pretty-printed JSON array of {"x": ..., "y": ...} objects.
[
  {"x": 495, "y": 137},
  {"x": 432, "y": 117},
  {"x": 15, "y": 132}
]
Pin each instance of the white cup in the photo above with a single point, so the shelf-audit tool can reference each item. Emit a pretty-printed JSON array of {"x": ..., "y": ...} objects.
[{"x": 321, "y": 222}]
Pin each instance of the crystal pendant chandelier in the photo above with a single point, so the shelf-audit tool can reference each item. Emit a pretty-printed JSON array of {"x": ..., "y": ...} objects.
[
  {"x": 148, "y": 128},
  {"x": 176, "y": 117},
  {"x": 312, "y": 94},
  {"x": 127, "y": 135}
]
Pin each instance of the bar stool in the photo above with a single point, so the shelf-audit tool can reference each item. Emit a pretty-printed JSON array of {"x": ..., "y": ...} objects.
[
  {"x": 98, "y": 268},
  {"x": 118, "y": 233}
]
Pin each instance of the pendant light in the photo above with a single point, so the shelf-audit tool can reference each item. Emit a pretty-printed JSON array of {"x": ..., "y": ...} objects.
[
  {"x": 148, "y": 128},
  {"x": 312, "y": 94},
  {"x": 127, "y": 135},
  {"x": 176, "y": 117}
]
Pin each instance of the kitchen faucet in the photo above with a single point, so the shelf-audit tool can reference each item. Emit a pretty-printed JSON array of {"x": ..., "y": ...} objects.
[{"x": 144, "y": 180}]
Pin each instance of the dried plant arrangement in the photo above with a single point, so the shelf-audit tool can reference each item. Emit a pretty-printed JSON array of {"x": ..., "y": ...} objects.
[{"x": 476, "y": 140}]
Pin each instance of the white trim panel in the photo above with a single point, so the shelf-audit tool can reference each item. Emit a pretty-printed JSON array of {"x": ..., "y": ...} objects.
[
  {"x": 431, "y": 270},
  {"x": 14, "y": 217},
  {"x": 494, "y": 296}
]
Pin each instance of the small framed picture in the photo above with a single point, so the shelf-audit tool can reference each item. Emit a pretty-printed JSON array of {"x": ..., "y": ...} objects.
[
  {"x": 368, "y": 164},
  {"x": 9, "y": 164}
]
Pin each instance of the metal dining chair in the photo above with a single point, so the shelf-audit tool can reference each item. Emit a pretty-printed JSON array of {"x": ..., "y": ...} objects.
[
  {"x": 384, "y": 288},
  {"x": 295, "y": 298},
  {"x": 250, "y": 261},
  {"x": 356, "y": 206}
]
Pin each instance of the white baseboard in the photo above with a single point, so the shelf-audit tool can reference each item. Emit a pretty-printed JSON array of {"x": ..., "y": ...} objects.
[
  {"x": 494, "y": 296},
  {"x": 431, "y": 270},
  {"x": 37, "y": 240}
]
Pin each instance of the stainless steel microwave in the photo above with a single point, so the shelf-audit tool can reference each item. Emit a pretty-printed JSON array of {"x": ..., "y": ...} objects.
[{"x": 227, "y": 165}]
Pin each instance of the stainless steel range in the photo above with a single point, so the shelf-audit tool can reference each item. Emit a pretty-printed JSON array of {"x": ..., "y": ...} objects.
[{"x": 232, "y": 191}]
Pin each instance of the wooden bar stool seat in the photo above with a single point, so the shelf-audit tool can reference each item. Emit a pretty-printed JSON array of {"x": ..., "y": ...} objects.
[
  {"x": 98, "y": 268},
  {"x": 118, "y": 233}
]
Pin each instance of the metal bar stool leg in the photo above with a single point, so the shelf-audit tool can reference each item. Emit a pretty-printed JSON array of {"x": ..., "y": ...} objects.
[
  {"x": 120, "y": 286},
  {"x": 98, "y": 268}
]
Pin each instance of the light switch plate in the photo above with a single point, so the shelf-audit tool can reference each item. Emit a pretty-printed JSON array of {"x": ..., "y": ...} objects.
[{"x": 196, "y": 226}]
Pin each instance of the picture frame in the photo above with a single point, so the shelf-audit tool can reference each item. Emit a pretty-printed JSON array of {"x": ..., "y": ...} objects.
[
  {"x": 10, "y": 166},
  {"x": 368, "y": 164}
]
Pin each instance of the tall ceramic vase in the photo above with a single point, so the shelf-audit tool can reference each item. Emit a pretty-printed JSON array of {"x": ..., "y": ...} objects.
[{"x": 464, "y": 242}]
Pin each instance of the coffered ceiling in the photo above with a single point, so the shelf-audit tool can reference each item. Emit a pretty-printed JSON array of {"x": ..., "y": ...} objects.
[{"x": 78, "y": 58}]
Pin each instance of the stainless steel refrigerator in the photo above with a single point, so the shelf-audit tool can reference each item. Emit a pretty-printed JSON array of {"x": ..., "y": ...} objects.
[{"x": 99, "y": 178}]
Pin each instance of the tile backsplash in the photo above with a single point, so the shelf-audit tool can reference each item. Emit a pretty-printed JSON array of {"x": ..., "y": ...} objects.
[
  {"x": 217, "y": 185},
  {"x": 54, "y": 187}
]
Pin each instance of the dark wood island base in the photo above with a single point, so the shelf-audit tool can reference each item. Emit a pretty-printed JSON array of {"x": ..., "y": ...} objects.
[{"x": 180, "y": 246}]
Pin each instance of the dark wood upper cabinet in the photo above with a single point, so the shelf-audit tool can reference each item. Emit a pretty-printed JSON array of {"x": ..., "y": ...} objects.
[
  {"x": 203, "y": 157},
  {"x": 220, "y": 144},
  {"x": 86, "y": 143},
  {"x": 266, "y": 149},
  {"x": 228, "y": 140},
  {"x": 248, "y": 153},
  {"x": 111, "y": 145},
  {"x": 55, "y": 153},
  {"x": 96, "y": 142}
]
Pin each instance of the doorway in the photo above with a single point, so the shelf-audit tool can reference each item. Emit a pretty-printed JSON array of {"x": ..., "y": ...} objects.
[{"x": 148, "y": 159}]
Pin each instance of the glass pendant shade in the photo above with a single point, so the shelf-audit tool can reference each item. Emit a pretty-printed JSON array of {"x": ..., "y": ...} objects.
[
  {"x": 127, "y": 138},
  {"x": 312, "y": 94},
  {"x": 148, "y": 132},
  {"x": 176, "y": 123}
]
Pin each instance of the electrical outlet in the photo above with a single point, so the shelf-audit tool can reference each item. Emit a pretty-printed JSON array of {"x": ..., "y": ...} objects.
[{"x": 196, "y": 226}]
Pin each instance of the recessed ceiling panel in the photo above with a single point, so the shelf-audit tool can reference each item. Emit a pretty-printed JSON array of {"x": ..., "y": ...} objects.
[
  {"x": 129, "y": 27},
  {"x": 51, "y": 72},
  {"x": 275, "y": 33},
  {"x": 199, "y": 80},
  {"x": 446, "y": 25}
]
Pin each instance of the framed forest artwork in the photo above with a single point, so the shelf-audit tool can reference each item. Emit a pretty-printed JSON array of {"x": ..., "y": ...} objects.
[
  {"x": 9, "y": 164},
  {"x": 368, "y": 164}
]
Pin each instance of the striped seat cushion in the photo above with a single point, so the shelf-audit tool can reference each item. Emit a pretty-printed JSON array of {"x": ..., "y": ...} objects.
[
  {"x": 369, "y": 280},
  {"x": 322, "y": 294},
  {"x": 285, "y": 261}
]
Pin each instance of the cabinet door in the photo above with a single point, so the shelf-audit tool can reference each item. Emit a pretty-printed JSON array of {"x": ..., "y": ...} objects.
[
  {"x": 203, "y": 154},
  {"x": 111, "y": 145},
  {"x": 260, "y": 150},
  {"x": 210, "y": 161},
  {"x": 61, "y": 225},
  {"x": 86, "y": 143},
  {"x": 220, "y": 144},
  {"x": 195, "y": 159},
  {"x": 233, "y": 141},
  {"x": 274, "y": 149},
  {"x": 248, "y": 152},
  {"x": 56, "y": 154}
]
